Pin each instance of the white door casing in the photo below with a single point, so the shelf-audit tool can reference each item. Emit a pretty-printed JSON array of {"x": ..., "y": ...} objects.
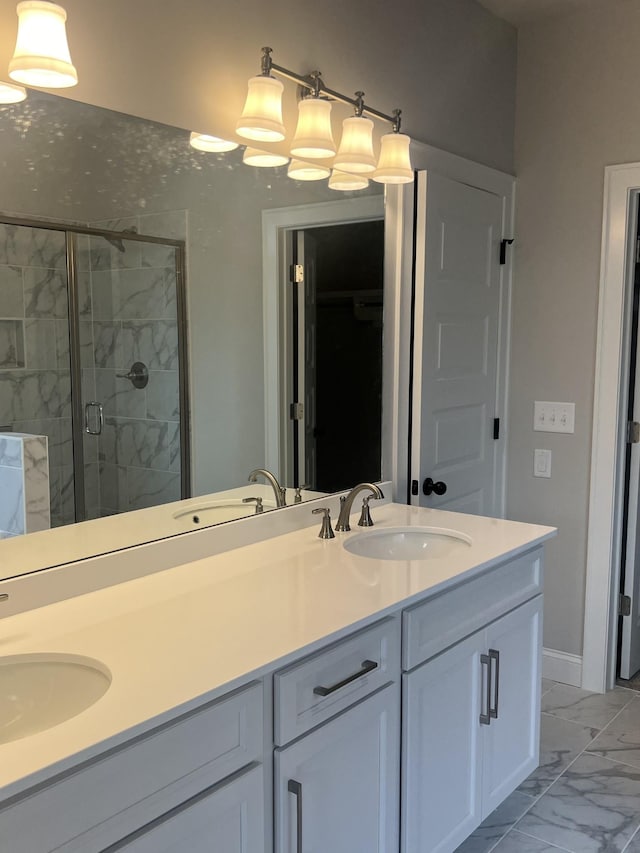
[{"x": 458, "y": 298}]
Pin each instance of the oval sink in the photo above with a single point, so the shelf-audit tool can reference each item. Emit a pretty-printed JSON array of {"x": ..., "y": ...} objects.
[
  {"x": 408, "y": 543},
  {"x": 215, "y": 512},
  {"x": 39, "y": 691}
]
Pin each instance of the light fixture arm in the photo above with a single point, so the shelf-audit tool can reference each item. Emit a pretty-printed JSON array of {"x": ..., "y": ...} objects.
[{"x": 315, "y": 84}]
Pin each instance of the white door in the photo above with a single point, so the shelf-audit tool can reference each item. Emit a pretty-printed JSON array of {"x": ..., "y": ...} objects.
[
  {"x": 337, "y": 788},
  {"x": 455, "y": 360},
  {"x": 513, "y": 645},
  {"x": 442, "y": 749}
]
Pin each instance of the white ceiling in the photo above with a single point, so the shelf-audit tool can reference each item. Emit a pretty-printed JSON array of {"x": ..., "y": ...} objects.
[{"x": 523, "y": 11}]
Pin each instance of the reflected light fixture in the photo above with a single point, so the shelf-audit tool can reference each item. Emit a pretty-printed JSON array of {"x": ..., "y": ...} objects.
[
  {"x": 10, "y": 94},
  {"x": 262, "y": 120},
  {"x": 263, "y": 159},
  {"x": 41, "y": 57},
  {"x": 300, "y": 171},
  {"x": 205, "y": 142},
  {"x": 345, "y": 181}
]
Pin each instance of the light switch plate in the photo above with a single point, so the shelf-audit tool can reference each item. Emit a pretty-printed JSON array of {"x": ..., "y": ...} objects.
[
  {"x": 554, "y": 417},
  {"x": 542, "y": 463}
]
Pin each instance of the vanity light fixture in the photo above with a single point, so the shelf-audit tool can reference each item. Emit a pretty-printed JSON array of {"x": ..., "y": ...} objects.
[
  {"x": 262, "y": 119},
  {"x": 10, "y": 94},
  {"x": 301, "y": 171},
  {"x": 263, "y": 159},
  {"x": 41, "y": 57},
  {"x": 346, "y": 181},
  {"x": 205, "y": 142}
]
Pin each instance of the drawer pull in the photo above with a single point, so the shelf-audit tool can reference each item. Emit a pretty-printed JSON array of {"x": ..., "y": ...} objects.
[
  {"x": 295, "y": 788},
  {"x": 485, "y": 713},
  {"x": 495, "y": 656},
  {"x": 367, "y": 667}
]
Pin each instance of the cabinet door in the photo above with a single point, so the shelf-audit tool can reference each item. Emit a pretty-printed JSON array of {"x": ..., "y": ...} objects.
[
  {"x": 442, "y": 749},
  {"x": 337, "y": 788},
  {"x": 229, "y": 819},
  {"x": 512, "y": 740}
]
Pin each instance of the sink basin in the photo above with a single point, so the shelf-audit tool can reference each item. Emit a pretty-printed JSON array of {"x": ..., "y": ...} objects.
[
  {"x": 408, "y": 543},
  {"x": 214, "y": 512},
  {"x": 39, "y": 691}
]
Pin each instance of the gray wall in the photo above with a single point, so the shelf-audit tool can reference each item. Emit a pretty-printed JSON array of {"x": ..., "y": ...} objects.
[
  {"x": 578, "y": 110},
  {"x": 448, "y": 63}
]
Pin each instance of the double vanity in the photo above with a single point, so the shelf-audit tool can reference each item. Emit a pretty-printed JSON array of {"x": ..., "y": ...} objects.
[{"x": 378, "y": 691}]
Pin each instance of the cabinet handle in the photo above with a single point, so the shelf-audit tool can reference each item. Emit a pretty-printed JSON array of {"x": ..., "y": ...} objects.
[
  {"x": 494, "y": 655},
  {"x": 485, "y": 716},
  {"x": 367, "y": 666},
  {"x": 295, "y": 788}
]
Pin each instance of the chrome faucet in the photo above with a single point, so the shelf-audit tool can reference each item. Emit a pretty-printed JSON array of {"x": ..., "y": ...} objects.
[
  {"x": 347, "y": 502},
  {"x": 279, "y": 491}
]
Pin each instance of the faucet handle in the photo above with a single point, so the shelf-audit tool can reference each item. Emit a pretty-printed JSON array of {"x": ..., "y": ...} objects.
[
  {"x": 365, "y": 515},
  {"x": 258, "y": 503},
  {"x": 326, "y": 531},
  {"x": 298, "y": 495}
]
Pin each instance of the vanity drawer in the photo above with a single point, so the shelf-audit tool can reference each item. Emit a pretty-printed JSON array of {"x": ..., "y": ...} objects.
[
  {"x": 94, "y": 806},
  {"x": 308, "y": 693},
  {"x": 441, "y": 621}
]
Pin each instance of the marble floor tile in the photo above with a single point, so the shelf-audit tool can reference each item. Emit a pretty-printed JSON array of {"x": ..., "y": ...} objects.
[
  {"x": 516, "y": 842},
  {"x": 497, "y": 824},
  {"x": 620, "y": 741},
  {"x": 560, "y": 742},
  {"x": 592, "y": 808},
  {"x": 581, "y": 706}
]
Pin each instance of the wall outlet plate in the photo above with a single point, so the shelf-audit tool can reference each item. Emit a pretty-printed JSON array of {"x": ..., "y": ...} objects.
[
  {"x": 542, "y": 463},
  {"x": 554, "y": 417}
]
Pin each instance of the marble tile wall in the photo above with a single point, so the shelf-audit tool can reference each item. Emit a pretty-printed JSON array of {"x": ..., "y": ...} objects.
[
  {"x": 24, "y": 484},
  {"x": 35, "y": 390}
]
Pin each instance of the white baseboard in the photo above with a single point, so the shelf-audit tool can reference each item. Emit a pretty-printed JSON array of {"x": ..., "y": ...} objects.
[{"x": 560, "y": 666}]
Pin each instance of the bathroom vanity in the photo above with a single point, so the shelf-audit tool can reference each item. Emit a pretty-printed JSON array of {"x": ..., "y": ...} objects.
[{"x": 378, "y": 691}]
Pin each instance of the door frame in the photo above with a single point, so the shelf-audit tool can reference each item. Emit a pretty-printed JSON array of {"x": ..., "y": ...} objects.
[{"x": 606, "y": 484}]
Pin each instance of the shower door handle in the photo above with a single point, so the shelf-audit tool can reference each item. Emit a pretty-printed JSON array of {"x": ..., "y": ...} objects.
[{"x": 98, "y": 421}]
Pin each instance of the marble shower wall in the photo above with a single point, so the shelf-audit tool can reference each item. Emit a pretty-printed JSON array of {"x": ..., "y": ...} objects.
[
  {"x": 35, "y": 389},
  {"x": 134, "y": 318},
  {"x": 24, "y": 484}
]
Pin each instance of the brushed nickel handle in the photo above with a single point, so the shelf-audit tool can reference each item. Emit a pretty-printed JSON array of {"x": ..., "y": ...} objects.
[
  {"x": 295, "y": 788},
  {"x": 485, "y": 716},
  {"x": 367, "y": 667},
  {"x": 494, "y": 656}
]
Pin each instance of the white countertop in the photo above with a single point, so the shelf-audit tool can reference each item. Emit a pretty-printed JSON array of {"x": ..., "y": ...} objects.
[{"x": 179, "y": 637}]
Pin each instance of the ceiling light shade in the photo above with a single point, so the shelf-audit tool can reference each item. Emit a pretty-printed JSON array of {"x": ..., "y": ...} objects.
[
  {"x": 261, "y": 117},
  {"x": 300, "y": 171},
  {"x": 345, "y": 182},
  {"x": 10, "y": 94},
  {"x": 204, "y": 142},
  {"x": 313, "y": 136},
  {"x": 41, "y": 57},
  {"x": 355, "y": 153},
  {"x": 394, "y": 165},
  {"x": 263, "y": 159}
]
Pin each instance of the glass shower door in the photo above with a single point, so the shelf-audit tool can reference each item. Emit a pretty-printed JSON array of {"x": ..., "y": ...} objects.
[{"x": 131, "y": 337}]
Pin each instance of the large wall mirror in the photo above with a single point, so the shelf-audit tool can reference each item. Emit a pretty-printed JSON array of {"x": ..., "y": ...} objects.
[{"x": 172, "y": 320}]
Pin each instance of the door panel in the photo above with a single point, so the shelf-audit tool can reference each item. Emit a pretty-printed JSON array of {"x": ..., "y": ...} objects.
[{"x": 458, "y": 294}]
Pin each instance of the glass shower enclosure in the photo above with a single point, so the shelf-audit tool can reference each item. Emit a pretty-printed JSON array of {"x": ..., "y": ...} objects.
[{"x": 93, "y": 355}]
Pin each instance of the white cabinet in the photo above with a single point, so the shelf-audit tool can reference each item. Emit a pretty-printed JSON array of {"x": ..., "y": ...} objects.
[
  {"x": 229, "y": 818},
  {"x": 337, "y": 788},
  {"x": 470, "y": 730}
]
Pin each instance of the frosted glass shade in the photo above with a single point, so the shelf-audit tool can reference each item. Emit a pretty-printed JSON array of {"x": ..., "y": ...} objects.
[
  {"x": 345, "y": 182},
  {"x": 355, "y": 153},
  {"x": 300, "y": 171},
  {"x": 204, "y": 142},
  {"x": 41, "y": 57},
  {"x": 10, "y": 94},
  {"x": 263, "y": 159},
  {"x": 313, "y": 134},
  {"x": 394, "y": 166},
  {"x": 261, "y": 117}
]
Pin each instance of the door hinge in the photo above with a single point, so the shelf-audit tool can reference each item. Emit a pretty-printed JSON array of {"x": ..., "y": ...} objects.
[
  {"x": 503, "y": 251},
  {"x": 296, "y": 411},
  {"x": 296, "y": 273},
  {"x": 624, "y": 605},
  {"x": 414, "y": 487},
  {"x": 633, "y": 432},
  {"x": 496, "y": 428}
]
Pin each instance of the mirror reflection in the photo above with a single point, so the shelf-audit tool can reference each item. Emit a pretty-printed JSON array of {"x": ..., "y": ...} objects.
[{"x": 172, "y": 320}]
